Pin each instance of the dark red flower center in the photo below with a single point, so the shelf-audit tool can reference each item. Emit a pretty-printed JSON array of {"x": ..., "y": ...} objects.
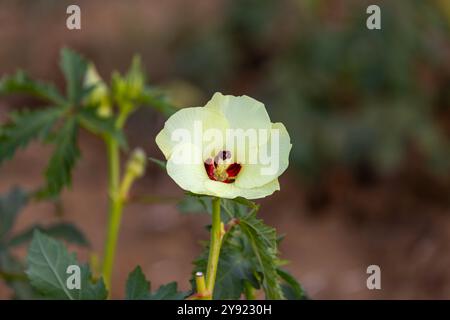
[{"x": 219, "y": 169}]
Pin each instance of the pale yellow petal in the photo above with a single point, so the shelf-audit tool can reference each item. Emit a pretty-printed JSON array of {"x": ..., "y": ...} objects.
[
  {"x": 241, "y": 112},
  {"x": 186, "y": 168},
  {"x": 164, "y": 143},
  {"x": 231, "y": 191},
  {"x": 272, "y": 161},
  {"x": 190, "y": 125}
]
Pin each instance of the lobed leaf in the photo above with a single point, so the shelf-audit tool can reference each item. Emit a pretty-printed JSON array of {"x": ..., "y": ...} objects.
[
  {"x": 292, "y": 290},
  {"x": 74, "y": 68},
  {"x": 10, "y": 206},
  {"x": 15, "y": 279},
  {"x": 90, "y": 119},
  {"x": 156, "y": 100},
  {"x": 168, "y": 292},
  {"x": 263, "y": 240},
  {"x": 59, "y": 170},
  {"x": 24, "y": 127},
  {"x": 138, "y": 288},
  {"x": 48, "y": 260},
  {"x": 63, "y": 231},
  {"x": 193, "y": 203},
  {"x": 22, "y": 83}
]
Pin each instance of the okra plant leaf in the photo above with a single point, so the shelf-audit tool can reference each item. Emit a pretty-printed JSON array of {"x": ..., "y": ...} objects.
[
  {"x": 156, "y": 100},
  {"x": 15, "y": 277},
  {"x": 235, "y": 267},
  {"x": 90, "y": 119},
  {"x": 137, "y": 287},
  {"x": 193, "y": 203},
  {"x": 10, "y": 205},
  {"x": 248, "y": 203},
  {"x": 248, "y": 253},
  {"x": 292, "y": 290},
  {"x": 22, "y": 83},
  {"x": 235, "y": 209},
  {"x": 232, "y": 208},
  {"x": 74, "y": 68},
  {"x": 263, "y": 240},
  {"x": 59, "y": 170},
  {"x": 90, "y": 289},
  {"x": 24, "y": 127},
  {"x": 48, "y": 262},
  {"x": 168, "y": 292},
  {"x": 62, "y": 231},
  {"x": 232, "y": 270}
]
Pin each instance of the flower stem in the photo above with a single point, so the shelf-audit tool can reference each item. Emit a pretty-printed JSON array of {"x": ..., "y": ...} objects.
[
  {"x": 115, "y": 209},
  {"x": 214, "y": 247},
  {"x": 202, "y": 292}
]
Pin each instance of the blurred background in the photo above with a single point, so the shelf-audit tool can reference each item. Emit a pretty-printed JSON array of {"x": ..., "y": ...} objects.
[{"x": 368, "y": 112}]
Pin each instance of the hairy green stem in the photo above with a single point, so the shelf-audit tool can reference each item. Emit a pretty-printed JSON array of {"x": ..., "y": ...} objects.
[
  {"x": 115, "y": 209},
  {"x": 214, "y": 247},
  {"x": 202, "y": 292}
]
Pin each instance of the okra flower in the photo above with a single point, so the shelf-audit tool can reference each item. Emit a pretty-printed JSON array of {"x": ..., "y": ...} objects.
[{"x": 229, "y": 148}]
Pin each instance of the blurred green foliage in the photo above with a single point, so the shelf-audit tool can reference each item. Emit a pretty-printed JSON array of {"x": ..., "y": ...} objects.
[{"x": 348, "y": 95}]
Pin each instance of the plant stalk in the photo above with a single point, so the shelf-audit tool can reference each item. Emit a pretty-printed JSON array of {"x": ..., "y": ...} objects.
[
  {"x": 115, "y": 209},
  {"x": 214, "y": 247},
  {"x": 202, "y": 292}
]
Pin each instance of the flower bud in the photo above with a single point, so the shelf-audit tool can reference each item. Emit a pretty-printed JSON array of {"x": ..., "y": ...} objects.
[
  {"x": 99, "y": 95},
  {"x": 137, "y": 163},
  {"x": 135, "y": 78}
]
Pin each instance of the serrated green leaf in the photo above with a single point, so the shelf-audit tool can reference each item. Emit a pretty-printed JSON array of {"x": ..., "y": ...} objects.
[
  {"x": 63, "y": 231},
  {"x": 157, "y": 101},
  {"x": 74, "y": 68},
  {"x": 232, "y": 208},
  {"x": 90, "y": 119},
  {"x": 22, "y": 83},
  {"x": 292, "y": 290},
  {"x": 168, "y": 292},
  {"x": 137, "y": 287},
  {"x": 192, "y": 203},
  {"x": 235, "y": 209},
  {"x": 59, "y": 170},
  {"x": 90, "y": 289},
  {"x": 17, "y": 282},
  {"x": 246, "y": 202},
  {"x": 10, "y": 205},
  {"x": 234, "y": 268},
  {"x": 248, "y": 253},
  {"x": 48, "y": 260},
  {"x": 24, "y": 127},
  {"x": 263, "y": 240}
]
